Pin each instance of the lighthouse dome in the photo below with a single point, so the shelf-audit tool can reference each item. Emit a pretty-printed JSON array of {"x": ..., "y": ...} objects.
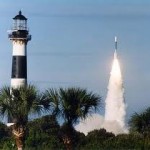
[{"x": 20, "y": 16}]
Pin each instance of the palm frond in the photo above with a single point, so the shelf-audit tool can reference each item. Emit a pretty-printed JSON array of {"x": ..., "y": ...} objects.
[
  {"x": 19, "y": 103},
  {"x": 52, "y": 99},
  {"x": 76, "y": 103}
]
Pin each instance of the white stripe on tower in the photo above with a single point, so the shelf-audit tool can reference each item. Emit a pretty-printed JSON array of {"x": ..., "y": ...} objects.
[{"x": 19, "y": 48}]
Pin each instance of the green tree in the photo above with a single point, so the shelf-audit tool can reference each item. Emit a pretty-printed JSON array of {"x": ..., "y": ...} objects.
[
  {"x": 96, "y": 139},
  {"x": 43, "y": 134},
  {"x": 140, "y": 122},
  {"x": 72, "y": 104},
  {"x": 3, "y": 131},
  {"x": 19, "y": 104}
]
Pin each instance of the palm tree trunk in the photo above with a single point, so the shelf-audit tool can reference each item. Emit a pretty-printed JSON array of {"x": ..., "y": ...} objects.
[
  {"x": 19, "y": 143},
  {"x": 67, "y": 132},
  {"x": 67, "y": 142},
  {"x": 19, "y": 136}
]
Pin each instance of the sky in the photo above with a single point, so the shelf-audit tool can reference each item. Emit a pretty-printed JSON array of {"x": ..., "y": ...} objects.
[{"x": 73, "y": 44}]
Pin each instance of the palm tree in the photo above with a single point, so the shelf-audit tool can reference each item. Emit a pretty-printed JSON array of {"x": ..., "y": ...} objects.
[
  {"x": 140, "y": 122},
  {"x": 18, "y": 105},
  {"x": 73, "y": 104}
]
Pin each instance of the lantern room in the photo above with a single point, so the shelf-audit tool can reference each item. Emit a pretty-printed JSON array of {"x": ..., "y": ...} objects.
[
  {"x": 20, "y": 22},
  {"x": 19, "y": 30}
]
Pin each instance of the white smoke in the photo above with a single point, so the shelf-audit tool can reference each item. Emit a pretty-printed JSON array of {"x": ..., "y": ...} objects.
[
  {"x": 90, "y": 123},
  {"x": 115, "y": 106},
  {"x": 114, "y": 127},
  {"x": 97, "y": 121},
  {"x": 114, "y": 120}
]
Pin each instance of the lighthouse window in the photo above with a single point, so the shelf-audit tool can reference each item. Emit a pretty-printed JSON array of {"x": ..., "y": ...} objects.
[{"x": 20, "y": 25}]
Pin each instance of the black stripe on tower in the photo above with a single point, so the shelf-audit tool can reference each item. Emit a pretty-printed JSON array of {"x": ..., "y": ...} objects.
[{"x": 19, "y": 67}]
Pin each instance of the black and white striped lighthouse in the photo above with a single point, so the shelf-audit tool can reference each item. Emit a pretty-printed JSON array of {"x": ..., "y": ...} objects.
[{"x": 19, "y": 36}]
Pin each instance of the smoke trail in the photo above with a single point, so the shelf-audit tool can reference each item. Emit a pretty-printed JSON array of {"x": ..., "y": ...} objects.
[
  {"x": 91, "y": 123},
  {"x": 115, "y": 109},
  {"x": 114, "y": 120},
  {"x": 115, "y": 106},
  {"x": 96, "y": 121}
]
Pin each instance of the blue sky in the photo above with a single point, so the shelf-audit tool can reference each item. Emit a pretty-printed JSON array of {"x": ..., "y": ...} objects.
[{"x": 73, "y": 44}]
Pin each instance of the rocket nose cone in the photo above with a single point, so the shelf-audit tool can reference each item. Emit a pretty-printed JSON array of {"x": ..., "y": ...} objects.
[{"x": 115, "y": 38}]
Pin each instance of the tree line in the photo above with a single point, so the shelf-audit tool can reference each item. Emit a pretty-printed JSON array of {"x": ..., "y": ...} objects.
[{"x": 70, "y": 105}]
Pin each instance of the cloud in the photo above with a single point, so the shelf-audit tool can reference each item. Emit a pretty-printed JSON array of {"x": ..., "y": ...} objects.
[
  {"x": 113, "y": 126},
  {"x": 97, "y": 121},
  {"x": 91, "y": 123}
]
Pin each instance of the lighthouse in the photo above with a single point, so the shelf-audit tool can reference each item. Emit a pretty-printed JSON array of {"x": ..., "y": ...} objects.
[{"x": 19, "y": 36}]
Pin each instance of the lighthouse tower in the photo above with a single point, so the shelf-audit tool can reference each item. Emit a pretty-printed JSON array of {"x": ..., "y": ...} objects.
[{"x": 19, "y": 36}]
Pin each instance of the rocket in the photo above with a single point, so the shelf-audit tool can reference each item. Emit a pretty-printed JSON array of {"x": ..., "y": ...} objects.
[
  {"x": 115, "y": 53},
  {"x": 115, "y": 43}
]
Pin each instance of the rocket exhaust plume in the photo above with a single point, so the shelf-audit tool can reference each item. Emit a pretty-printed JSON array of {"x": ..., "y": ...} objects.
[
  {"x": 115, "y": 105},
  {"x": 114, "y": 119}
]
